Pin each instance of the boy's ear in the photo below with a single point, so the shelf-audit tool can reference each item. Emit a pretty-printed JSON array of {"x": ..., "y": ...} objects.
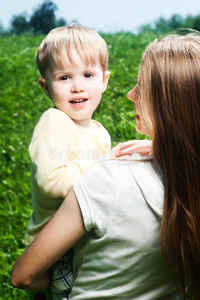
[
  {"x": 105, "y": 81},
  {"x": 44, "y": 85}
]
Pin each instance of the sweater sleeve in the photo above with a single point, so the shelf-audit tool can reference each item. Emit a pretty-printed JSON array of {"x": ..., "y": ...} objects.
[
  {"x": 56, "y": 169},
  {"x": 55, "y": 173}
]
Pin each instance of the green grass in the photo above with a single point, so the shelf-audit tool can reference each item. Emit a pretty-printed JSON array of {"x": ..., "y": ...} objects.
[{"x": 22, "y": 103}]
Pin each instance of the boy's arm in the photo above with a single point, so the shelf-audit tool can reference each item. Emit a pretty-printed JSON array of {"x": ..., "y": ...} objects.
[
  {"x": 61, "y": 233},
  {"x": 144, "y": 147},
  {"x": 54, "y": 151},
  {"x": 55, "y": 167}
]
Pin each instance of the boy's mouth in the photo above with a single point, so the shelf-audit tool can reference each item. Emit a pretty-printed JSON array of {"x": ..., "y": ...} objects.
[{"x": 78, "y": 101}]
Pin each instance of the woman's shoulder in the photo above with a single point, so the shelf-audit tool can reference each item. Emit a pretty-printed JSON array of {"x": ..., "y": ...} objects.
[
  {"x": 110, "y": 172},
  {"x": 144, "y": 173}
]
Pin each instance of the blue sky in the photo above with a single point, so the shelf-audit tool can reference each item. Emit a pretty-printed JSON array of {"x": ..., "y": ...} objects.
[{"x": 105, "y": 15}]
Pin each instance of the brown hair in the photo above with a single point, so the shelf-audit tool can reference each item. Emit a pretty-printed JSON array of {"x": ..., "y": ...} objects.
[
  {"x": 89, "y": 45},
  {"x": 169, "y": 85}
]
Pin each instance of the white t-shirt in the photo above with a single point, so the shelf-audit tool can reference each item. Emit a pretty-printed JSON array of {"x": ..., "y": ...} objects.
[{"x": 120, "y": 256}]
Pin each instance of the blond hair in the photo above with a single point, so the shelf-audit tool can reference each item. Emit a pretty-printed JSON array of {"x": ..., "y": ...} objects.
[
  {"x": 89, "y": 45},
  {"x": 169, "y": 86}
]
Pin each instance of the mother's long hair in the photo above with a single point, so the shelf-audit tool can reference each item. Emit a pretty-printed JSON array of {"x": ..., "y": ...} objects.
[{"x": 169, "y": 85}]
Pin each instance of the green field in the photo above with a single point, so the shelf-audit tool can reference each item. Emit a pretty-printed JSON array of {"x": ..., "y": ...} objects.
[{"x": 22, "y": 103}]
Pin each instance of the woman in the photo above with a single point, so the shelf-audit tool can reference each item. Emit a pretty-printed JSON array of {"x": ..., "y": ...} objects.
[{"x": 134, "y": 224}]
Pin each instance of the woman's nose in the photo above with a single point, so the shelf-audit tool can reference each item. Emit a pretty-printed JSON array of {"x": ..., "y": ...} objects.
[{"x": 132, "y": 94}]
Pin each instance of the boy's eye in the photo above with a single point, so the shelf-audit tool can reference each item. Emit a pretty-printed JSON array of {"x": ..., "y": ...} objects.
[
  {"x": 64, "y": 77},
  {"x": 88, "y": 75}
]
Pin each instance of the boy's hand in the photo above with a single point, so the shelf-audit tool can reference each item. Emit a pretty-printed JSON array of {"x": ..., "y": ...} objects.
[{"x": 144, "y": 147}]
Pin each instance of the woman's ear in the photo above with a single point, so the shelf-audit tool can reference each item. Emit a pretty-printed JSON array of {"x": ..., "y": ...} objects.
[
  {"x": 105, "y": 81},
  {"x": 44, "y": 85}
]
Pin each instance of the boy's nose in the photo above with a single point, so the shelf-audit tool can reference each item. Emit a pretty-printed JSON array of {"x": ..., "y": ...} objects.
[{"x": 77, "y": 86}]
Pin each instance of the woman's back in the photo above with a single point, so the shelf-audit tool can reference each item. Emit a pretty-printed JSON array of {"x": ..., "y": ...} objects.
[{"x": 124, "y": 211}]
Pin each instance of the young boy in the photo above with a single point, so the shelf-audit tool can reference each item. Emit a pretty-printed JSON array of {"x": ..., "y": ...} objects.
[{"x": 66, "y": 141}]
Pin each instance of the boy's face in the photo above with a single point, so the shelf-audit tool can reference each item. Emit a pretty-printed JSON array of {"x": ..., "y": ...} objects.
[{"x": 76, "y": 90}]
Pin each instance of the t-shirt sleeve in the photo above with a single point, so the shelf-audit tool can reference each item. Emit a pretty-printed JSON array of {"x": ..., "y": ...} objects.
[{"x": 95, "y": 192}]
